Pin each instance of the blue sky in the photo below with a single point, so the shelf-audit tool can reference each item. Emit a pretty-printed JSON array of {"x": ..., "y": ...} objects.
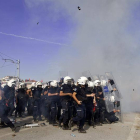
[{"x": 17, "y": 17}]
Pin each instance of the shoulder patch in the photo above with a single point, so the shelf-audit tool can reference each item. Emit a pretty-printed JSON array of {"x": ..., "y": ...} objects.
[
  {"x": 61, "y": 87},
  {"x": 75, "y": 89}
]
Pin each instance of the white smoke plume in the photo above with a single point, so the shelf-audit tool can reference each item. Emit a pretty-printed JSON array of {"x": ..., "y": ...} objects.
[{"x": 103, "y": 42}]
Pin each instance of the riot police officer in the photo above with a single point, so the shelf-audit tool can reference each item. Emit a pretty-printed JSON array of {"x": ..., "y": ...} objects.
[
  {"x": 3, "y": 114},
  {"x": 11, "y": 100},
  {"x": 59, "y": 101},
  {"x": 37, "y": 101},
  {"x": 99, "y": 115},
  {"x": 79, "y": 96},
  {"x": 43, "y": 100},
  {"x": 90, "y": 103},
  {"x": 20, "y": 100},
  {"x": 30, "y": 98},
  {"x": 66, "y": 96},
  {"x": 9, "y": 91},
  {"x": 53, "y": 97},
  {"x": 110, "y": 116}
]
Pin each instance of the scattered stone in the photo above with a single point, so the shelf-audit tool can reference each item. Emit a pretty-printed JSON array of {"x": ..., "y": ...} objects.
[{"x": 14, "y": 135}]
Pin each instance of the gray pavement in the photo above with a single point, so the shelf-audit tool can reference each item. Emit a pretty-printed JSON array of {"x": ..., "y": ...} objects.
[{"x": 128, "y": 130}]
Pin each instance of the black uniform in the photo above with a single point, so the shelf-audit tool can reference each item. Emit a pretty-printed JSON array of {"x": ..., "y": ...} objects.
[
  {"x": 99, "y": 115},
  {"x": 11, "y": 101},
  {"x": 20, "y": 101},
  {"x": 59, "y": 104},
  {"x": 44, "y": 102},
  {"x": 81, "y": 109},
  {"x": 89, "y": 106},
  {"x": 3, "y": 114},
  {"x": 110, "y": 116},
  {"x": 53, "y": 99},
  {"x": 10, "y": 98},
  {"x": 66, "y": 104},
  {"x": 30, "y": 103},
  {"x": 37, "y": 102}
]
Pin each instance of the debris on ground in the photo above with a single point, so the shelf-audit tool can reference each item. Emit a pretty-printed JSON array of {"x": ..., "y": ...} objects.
[
  {"x": 73, "y": 135},
  {"x": 14, "y": 135},
  {"x": 42, "y": 124},
  {"x": 31, "y": 125}
]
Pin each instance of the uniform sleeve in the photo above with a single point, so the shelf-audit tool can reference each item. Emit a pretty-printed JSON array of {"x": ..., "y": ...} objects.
[
  {"x": 62, "y": 88},
  {"x": 75, "y": 89},
  {"x": 45, "y": 89},
  {"x": 58, "y": 90},
  {"x": 94, "y": 91},
  {"x": 49, "y": 90}
]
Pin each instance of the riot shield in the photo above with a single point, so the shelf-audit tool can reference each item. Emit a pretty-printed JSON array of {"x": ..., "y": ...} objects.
[
  {"x": 109, "y": 98},
  {"x": 115, "y": 90},
  {"x": 113, "y": 85},
  {"x": 96, "y": 77}
]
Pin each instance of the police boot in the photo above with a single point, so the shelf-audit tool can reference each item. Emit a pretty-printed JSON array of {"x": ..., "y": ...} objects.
[
  {"x": 70, "y": 123},
  {"x": 99, "y": 124},
  {"x": 59, "y": 124},
  {"x": 47, "y": 120},
  {"x": 55, "y": 124},
  {"x": 2, "y": 123},
  {"x": 82, "y": 130},
  {"x": 65, "y": 127},
  {"x": 50, "y": 122},
  {"x": 15, "y": 128},
  {"x": 90, "y": 123}
]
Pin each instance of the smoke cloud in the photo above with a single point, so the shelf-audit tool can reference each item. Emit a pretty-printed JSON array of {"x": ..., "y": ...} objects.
[{"x": 105, "y": 39}]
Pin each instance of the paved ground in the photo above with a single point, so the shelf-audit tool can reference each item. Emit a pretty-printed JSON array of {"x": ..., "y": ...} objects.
[{"x": 128, "y": 130}]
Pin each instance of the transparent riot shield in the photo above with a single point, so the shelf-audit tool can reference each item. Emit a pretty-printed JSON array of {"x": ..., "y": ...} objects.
[
  {"x": 115, "y": 90},
  {"x": 113, "y": 85},
  {"x": 109, "y": 98},
  {"x": 88, "y": 75},
  {"x": 96, "y": 77}
]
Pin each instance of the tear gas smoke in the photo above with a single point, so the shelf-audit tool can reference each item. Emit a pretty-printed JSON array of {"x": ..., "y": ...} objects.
[{"x": 106, "y": 39}]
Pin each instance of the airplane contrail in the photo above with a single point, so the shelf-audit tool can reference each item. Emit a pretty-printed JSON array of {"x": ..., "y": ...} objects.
[{"x": 34, "y": 39}]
